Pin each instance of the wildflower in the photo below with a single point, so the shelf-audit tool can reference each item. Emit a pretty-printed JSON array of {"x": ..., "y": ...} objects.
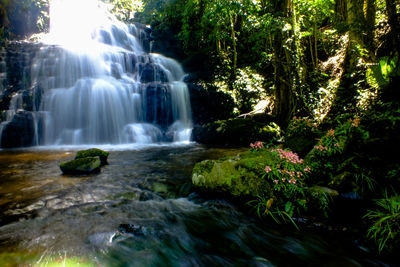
[
  {"x": 276, "y": 181},
  {"x": 356, "y": 122},
  {"x": 292, "y": 181},
  {"x": 331, "y": 132},
  {"x": 337, "y": 145},
  {"x": 321, "y": 148},
  {"x": 259, "y": 145},
  {"x": 289, "y": 156},
  {"x": 307, "y": 169},
  {"x": 268, "y": 169}
]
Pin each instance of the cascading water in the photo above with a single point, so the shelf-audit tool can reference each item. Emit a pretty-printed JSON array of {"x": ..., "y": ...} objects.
[{"x": 93, "y": 83}]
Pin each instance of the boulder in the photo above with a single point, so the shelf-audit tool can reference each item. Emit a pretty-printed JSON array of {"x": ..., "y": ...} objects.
[
  {"x": 19, "y": 132},
  {"x": 81, "y": 165},
  {"x": 240, "y": 176},
  {"x": 93, "y": 152},
  {"x": 209, "y": 105},
  {"x": 238, "y": 131}
]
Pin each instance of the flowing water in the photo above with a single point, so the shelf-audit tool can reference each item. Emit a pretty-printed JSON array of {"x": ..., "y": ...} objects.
[
  {"x": 141, "y": 210},
  {"x": 92, "y": 82}
]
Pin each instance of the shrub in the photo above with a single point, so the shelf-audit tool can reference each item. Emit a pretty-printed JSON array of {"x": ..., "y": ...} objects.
[
  {"x": 285, "y": 173},
  {"x": 301, "y": 135},
  {"x": 385, "y": 228}
]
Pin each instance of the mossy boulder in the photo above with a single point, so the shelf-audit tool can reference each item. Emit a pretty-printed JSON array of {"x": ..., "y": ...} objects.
[
  {"x": 238, "y": 131},
  {"x": 81, "y": 165},
  {"x": 93, "y": 152},
  {"x": 240, "y": 176}
]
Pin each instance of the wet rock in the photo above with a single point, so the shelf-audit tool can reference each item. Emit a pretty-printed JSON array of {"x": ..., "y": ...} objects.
[
  {"x": 238, "y": 131},
  {"x": 105, "y": 37},
  {"x": 209, "y": 105},
  {"x": 151, "y": 72},
  {"x": 240, "y": 176},
  {"x": 19, "y": 132},
  {"x": 81, "y": 165},
  {"x": 102, "y": 239},
  {"x": 132, "y": 229},
  {"x": 158, "y": 105},
  {"x": 93, "y": 152},
  {"x": 324, "y": 190},
  {"x": 116, "y": 71}
]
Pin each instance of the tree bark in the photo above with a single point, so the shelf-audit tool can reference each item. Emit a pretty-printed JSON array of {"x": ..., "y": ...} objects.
[
  {"x": 234, "y": 48},
  {"x": 394, "y": 22},
  {"x": 360, "y": 21},
  {"x": 283, "y": 71}
]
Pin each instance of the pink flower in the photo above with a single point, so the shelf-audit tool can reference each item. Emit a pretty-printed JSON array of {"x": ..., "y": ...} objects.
[
  {"x": 257, "y": 145},
  {"x": 321, "y": 148},
  {"x": 355, "y": 122},
  {"x": 307, "y": 169},
  {"x": 268, "y": 169},
  {"x": 331, "y": 132},
  {"x": 276, "y": 181}
]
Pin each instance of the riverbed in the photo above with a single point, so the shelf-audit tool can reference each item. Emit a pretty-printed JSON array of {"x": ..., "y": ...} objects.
[{"x": 141, "y": 210}]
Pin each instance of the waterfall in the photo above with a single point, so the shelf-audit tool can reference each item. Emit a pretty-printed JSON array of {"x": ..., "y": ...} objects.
[{"x": 93, "y": 83}]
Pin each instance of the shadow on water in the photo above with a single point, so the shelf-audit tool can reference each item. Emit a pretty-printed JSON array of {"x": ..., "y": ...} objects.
[{"x": 141, "y": 211}]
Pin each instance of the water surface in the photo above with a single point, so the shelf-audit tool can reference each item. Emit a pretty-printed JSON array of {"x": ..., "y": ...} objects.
[{"x": 141, "y": 210}]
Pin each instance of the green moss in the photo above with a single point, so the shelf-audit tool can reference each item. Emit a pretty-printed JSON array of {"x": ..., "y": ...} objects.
[
  {"x": 16, "y": 259},
  {"x": 238, "y": 176},
  {"x": 81, "y": 165},
  {"x": 93, "y": 152},
  {"x": 28, "y": 259}
]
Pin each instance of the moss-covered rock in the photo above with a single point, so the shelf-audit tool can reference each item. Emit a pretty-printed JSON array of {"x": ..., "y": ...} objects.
[
  {"x": 81, "y": 165},
  {"x": 93, "y": 152},
  {"x": 238, "y": 131},
  {"x": 240, "y": 176}
]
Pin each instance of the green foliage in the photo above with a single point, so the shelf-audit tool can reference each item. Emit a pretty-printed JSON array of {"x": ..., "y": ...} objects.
[
  {"x": 285, "y": 173},
  {"x": 379, "y": 75},
  {"x": 126, "y": 9},
  {"x": 248, "y": 89},
  {"x": 301, "y": 135},
  {"x": 23, "y": 17},
  {"x": 385, "y": 228}
]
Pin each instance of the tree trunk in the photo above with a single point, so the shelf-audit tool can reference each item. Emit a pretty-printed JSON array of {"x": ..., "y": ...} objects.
[
  {"x": 394, "y": 22},
  {"x": 360, "y": 35},
  {"x": 234, "y": 48},
  {"x": 341, "y": 10},
  {"x": 283, "y": 70}
]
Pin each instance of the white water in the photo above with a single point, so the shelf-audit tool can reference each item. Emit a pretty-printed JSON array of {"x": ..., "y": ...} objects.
[{"x": 94, "y": 84}]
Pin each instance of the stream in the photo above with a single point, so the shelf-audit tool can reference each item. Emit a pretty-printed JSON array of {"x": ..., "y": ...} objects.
[{"x": 141, "y": 210}]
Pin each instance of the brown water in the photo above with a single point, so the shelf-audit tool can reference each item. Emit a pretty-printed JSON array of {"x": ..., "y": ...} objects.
[{"x": 141, "y": 210}]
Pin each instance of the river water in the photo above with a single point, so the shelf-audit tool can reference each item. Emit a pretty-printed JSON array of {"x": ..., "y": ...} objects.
[{"x": 141, "y": 210}]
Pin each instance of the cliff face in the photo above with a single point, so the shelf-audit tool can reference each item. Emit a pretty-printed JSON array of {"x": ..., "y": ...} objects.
[{"x": 16, "y": 98}]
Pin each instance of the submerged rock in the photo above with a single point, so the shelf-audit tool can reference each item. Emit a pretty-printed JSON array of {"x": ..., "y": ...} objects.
[
  {"x": 81, "y": 165},
  {"x": 93, "y": 152}
]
